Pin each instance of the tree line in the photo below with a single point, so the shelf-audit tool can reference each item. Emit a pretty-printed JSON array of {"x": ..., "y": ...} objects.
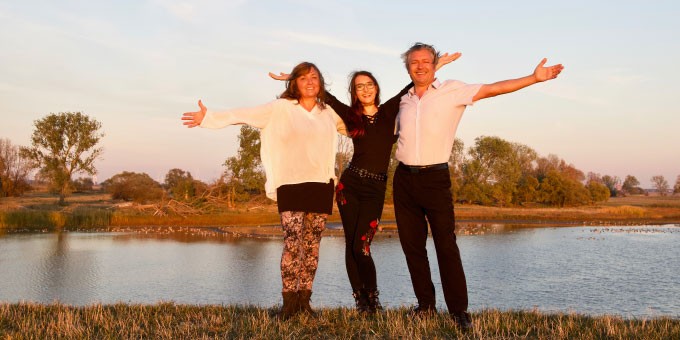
[{"x": 492, "y": 171}]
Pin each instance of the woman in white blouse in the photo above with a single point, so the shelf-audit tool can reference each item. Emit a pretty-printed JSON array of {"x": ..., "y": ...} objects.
[{"x": 298, "y": 145}]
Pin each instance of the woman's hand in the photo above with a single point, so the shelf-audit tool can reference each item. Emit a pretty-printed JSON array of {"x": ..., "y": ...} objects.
[
  {"x": 194, "y": 119},
  {"x": 446, "y": 58},
  {"x": 281, "y": 76}
]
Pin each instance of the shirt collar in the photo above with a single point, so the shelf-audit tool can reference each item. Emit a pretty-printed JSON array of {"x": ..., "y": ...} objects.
[{"x": 435, "y": 85}]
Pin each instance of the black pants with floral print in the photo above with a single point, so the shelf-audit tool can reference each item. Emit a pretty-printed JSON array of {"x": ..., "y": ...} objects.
[
  {"x": 360, "y": 201},
  {"x": 301, "y": 239}
]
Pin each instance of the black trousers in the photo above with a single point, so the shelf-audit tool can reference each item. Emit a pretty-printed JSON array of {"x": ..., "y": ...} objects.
[
  {"x": 422, "y": 197},
  {"x": 360, "y": 202}
]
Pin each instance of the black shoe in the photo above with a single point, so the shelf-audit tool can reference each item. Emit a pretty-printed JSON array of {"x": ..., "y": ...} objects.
[
  {"x": 373, "y": 301},
  {"x": 463, "y": 320},
  {"x": 361, "y": 300},
  {"x": 422, "y": 311}
]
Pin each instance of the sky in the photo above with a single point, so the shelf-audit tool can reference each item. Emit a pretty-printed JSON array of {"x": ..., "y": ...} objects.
[{"x": 137, "y": 65}]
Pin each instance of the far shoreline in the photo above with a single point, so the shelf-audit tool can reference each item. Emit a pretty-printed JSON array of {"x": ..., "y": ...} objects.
[
  {"x": 334, "y": 229},
  {"x": 97, "y": 212}
]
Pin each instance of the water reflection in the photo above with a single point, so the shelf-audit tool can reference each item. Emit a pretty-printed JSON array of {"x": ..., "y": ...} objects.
[{"x": 629, "y": 271}]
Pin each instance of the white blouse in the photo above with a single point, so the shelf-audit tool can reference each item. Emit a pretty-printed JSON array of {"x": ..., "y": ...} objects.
[{"x": 296, "y": 145}]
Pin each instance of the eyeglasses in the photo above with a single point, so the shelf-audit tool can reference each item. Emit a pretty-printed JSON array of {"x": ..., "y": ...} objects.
[{"x": 365, "y": 86}]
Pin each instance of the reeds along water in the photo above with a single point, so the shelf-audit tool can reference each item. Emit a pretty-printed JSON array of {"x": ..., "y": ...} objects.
[
  {"x": 100, "y": 218},
  {"x": 36, "y": 219}
]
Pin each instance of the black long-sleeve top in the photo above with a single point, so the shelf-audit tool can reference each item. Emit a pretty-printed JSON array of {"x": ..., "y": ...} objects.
[{"x": 372, "y": 150}]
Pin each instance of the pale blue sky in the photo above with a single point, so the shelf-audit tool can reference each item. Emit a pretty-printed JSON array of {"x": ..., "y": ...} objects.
[{"x": 137, "y": 65}]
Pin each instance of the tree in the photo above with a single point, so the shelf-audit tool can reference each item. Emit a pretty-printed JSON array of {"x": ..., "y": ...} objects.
[
  {"x": 344, "y": 154},
  {"x": 474, "y": 187},
  {"x": 676, "y": 187},
  {"x": 64, "y": 144},
  {"x": 527, "y": 185},
  {"x": 83, "y": 184},
  {"x": 456, "y": 161},
  {"x": 498, "y": 166},
  {"x": 391, "y": 168},
  {"x": 552, "y": 189},
  {"x": 598, "y": 191},
  {"x": 612, "y": 183},
  {"x": 14, "y": 170},
  {"x": 553, "y": 163},
  {"x": 631, "y": 186},
  {"x": 660, "y": 184},
  {"x": 526, "y": 157},
  {"x": 561, "y": 190},
  {"x": 594, "y": 177},
  {"x": 527, "y": 189},
  {"x": 180, "y": 183},
  {"x": 132, "y": 186},
  {"x": 245, "y": 169}
]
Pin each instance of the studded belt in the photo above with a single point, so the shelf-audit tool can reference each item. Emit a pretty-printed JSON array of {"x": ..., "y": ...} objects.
[{"x": 363, "y": 173}]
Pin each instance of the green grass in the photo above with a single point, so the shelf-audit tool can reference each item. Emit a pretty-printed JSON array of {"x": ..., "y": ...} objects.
[
  {"x": 171, "y": 321},
  {"x": 81, "y": 217},
  {"x": 86, "y": 218}
]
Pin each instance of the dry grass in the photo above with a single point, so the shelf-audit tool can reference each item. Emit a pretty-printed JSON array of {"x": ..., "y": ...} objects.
[
  {"x": 170, "y": 321},
  {"x": 645, "y": 201},
  {"x": 622, "y": 211}
]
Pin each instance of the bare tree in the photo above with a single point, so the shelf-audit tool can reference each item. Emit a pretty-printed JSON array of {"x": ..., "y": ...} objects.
[
  {"x": 661, "y": 185},
  {"x": 14, "y": 170},
  {"x": 344, "y": 154},
  {"x": 613, "y": 183}
]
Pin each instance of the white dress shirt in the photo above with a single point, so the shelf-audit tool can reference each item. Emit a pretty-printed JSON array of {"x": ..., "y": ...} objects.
[
  {"x": 296, "y": 146},
  {"x": 427, "y": 126}
]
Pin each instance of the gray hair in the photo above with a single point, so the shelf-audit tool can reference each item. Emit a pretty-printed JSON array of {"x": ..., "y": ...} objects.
[{"x": 417, "y": 47}]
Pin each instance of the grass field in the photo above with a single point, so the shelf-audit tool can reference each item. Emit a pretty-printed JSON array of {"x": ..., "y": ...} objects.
[{"x": 170, "y": 321}]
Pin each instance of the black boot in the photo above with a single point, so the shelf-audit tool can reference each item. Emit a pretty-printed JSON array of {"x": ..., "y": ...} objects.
[
  {"x": 361, "y": 300},
  {"x": 463, "y": 320},
  {"x": 304, "y": 296},
  {"x": 291, "y": 305},
  {"x": 373, "y": 300}
]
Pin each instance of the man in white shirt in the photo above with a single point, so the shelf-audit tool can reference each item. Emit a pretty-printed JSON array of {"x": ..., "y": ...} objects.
[{"x": 428, "y": 117}]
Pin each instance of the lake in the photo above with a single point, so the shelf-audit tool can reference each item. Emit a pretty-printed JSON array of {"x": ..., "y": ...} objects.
[{"x": 616, "y": 270}]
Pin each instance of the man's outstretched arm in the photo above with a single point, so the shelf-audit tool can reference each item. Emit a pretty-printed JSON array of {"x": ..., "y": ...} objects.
[{"x": 541, "y": 74}]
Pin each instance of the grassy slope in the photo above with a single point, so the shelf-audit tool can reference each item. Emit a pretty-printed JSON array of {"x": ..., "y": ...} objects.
[{"x": 170, "y": 321}]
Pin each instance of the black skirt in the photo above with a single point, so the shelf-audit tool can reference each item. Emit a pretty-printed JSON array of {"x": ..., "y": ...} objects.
[{"x": 311, "y": 197}]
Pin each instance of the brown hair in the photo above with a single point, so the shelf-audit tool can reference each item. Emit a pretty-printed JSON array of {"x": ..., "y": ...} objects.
[
  {"x": 356, "y": 126},
  {"x": 292, "y": 91}
]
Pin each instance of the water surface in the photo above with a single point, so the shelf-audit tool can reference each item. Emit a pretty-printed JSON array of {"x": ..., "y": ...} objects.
[{"x": 627, "y": 271}]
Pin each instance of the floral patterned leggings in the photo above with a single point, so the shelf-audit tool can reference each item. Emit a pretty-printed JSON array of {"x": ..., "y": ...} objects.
[{"x": 301, "y": 239}]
